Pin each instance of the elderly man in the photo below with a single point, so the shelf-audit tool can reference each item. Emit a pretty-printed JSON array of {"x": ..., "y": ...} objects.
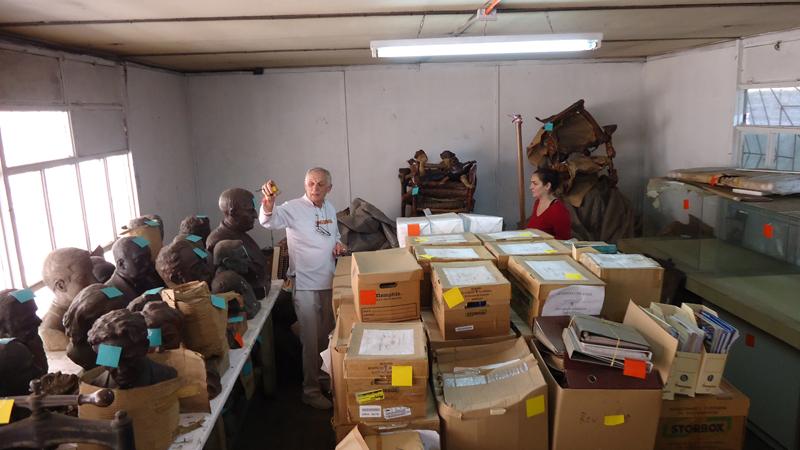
[{"x": 313, "y": 240}]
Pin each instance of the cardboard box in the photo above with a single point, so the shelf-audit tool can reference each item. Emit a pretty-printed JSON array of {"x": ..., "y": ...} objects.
[
  {"x": 528, "y": 234},
  {"x": 424, "y": 226},
  {"x": 342, "y": 281},
  {"x": 627, "y": 277},
  {"x": 426, "y": 255},
  {"x": 437, "y": 341},
  {"x": 386, "y": 372},
  {"x": 580, "y": 247},
  {"x": 338, "y": 344},
  {"x": 712, "y": 365},
  {"x": 343, "y": 266},
  {"x": 479, "y": 223},
  {"x": 600, "y": 418},
  {"x": 342, "y": 296},
  {"x": 555, "y": 285},
  {"x": 386, "y": 285},
  {"x": 503, "y": 250},
  {"x": 361, "y": 438},
  {"x": 679, "y": 370},
  {"x": 444, "y": 240},
  {"x": 520, "y": 326},
  {"x": 496, "y": 399},
  {"x": 712, "y": 422},
  {"x": 471, "y": 299}
]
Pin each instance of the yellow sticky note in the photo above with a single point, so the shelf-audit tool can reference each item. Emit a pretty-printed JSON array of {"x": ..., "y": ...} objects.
[
  {"x": 550, "y": 251},
  {"x": 426, "y": 256},
  {"x": 525, "y": 234},
  {"x": 5, "y": 411},
  {"x": 534, "y": 406},
  {"x": 422, "y": 239},
  {"x": 401, "y": 376},
  {"x": 612, "y": 421},
  {"x": 453, "y": 297},
  {"x": 573, "y": 276}
]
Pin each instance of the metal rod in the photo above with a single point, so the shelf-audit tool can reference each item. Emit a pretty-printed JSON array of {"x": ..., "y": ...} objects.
[{"x": 517, "y": 121}]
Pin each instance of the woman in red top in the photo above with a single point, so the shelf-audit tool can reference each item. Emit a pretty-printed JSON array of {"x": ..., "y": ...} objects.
[{"x": 549, "y": 213}]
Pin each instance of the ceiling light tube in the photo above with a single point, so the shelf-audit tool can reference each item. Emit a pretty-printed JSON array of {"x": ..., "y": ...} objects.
[{"x": 486, "y": 45}]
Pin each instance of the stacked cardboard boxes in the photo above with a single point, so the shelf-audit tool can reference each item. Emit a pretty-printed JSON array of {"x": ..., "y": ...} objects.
[
  {"x": 426, "y": 255},
  {"x": 437, "y": 341},
  {"x": 627, "y": 277},
  {"x": 342, "y": 283},
  {"x": 386, "y": 285},
  {"x": 504, "y": 250}
]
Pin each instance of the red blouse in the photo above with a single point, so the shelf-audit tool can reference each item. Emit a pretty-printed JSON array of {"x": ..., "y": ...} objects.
[{"x": 554, "y": 220}]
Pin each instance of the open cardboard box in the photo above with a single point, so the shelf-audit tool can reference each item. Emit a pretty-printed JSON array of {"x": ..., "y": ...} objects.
[
  {"x": 503, "y": 250},
  {"x": 386, "y": 285}
]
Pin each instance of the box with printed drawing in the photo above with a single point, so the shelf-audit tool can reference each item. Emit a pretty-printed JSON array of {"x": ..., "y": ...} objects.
[
  {"x": 627, "y": 277},
  {"x": 386, "y": 372},
  {"x": 386, "y": 285},
  {"x": 427, "y": 255},
  {"x": 444, "y": 240},
  {"x": 471, "y": 299},
  {"x": 504, "y": 250},
  {"x": 526, "y": 235},
  {"x": 719, "y": 336},
  {"x": 554, "y": 286}
]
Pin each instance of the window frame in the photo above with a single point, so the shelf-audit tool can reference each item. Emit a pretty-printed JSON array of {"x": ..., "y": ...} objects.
[{"x": 772, "y": 132}]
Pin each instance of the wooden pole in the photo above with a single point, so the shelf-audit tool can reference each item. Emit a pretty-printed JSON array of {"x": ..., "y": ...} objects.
[{"x": 517, "y": 121}]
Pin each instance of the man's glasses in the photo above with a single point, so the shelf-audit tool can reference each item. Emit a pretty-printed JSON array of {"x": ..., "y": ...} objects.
[{"x": 321, "y": 230}]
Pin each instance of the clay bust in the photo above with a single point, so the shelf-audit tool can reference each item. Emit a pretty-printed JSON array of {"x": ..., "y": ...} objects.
[
  {"x": 239, "y": 213},
  {"x": 168, "y": 319},
  {"x": 138, "y": 304},
  {"x": 91, "y": 303},
  {"x": 127, "y": 330},
  {"x": 66, "y": 271},
  {"x": 135, "y": 272},
  {"x": 17, "y": 368},
  {"x": 102, "y": 269},
  {"x": 22, "y": 356},
  {"x": 180, "y": 263},
  {"x": 232, "y": 262},
  {"x": 194, "y": 225},
  {"x": 454, "y": 169}
]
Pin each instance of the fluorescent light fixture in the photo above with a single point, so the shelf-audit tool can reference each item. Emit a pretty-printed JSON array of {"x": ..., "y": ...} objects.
[{"x": 486, "y": 45}]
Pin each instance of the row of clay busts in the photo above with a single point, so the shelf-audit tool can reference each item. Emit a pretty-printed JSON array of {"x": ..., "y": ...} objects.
[{"x": 96, "y": 305}]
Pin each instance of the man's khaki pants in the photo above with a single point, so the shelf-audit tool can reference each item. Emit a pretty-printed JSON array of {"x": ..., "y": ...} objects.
[{"x": 315, "y": 316}]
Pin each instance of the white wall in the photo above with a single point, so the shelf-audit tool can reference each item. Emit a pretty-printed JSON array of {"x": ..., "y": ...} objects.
[
  {"x": 363, "y": 123},
  {"x": 158, "y": 135}
]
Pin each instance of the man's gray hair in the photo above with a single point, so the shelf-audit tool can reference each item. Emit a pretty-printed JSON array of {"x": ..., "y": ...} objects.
[{"x": 320, "y": 170}]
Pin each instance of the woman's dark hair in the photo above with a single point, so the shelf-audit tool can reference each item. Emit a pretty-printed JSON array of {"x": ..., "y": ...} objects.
[{"x": 548, "y": 176}]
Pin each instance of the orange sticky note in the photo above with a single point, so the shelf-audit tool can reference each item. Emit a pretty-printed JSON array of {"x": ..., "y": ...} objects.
[
  {"x": 612, "y": 421},
  {"x": 635, "y": 368},
  {"x": 686, "y": 203},
  {"x": 413, "y": 229},
  {"x": 5, "y": 410},
  {"x": 750, "y": 340},
  {"x": 769, "y": 230},
  {"x": 714, "y": 180},
  {"x": 402, "y": 376},
  {"x": 239, "y": 340},
  {"x": 534, "y": 406},
  {"x": 368, "y": 297}
]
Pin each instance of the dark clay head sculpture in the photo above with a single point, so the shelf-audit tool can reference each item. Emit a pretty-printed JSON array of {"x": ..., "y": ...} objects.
[
  {"x": 147, "y": 220},
  {"x": 138, "y": 304},
  {"x": 181, "y": 262},
  {"x": 128, "y": 331},
  {"x": 238, "y": 209},
  {"x": 17, "y": 368},
  {"x": 230, "y": 254},
  {"x": 66, "y": 271},
  {"x": 196, "y": 225},
  {"x": 168, "y": 319},
  {"x": 102, "y": 269},
  {"x": 91, "y": 303},
  {"x": 135, "y": 270},
  {"x": 18, "y": 320}
]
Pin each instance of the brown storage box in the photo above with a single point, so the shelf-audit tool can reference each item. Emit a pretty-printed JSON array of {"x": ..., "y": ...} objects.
[
  {"x": 503, "y": 250},
  {"x": 426, "y": 255},
  {"x": 711, "y": 422},
  {"x": 340, "y": 340},
  {"x": 627, "y": 277},
  {"x": 444, "y": 240},
  {"x": 491, "y": 407},
  {"x": 544, "y": 279},
  {"x": 528, "y": 234},
  {"x": 471, "y": 300},
  {"x": 386, "y": 285},
  {"x": 204, "y": 324},
  {"x": 343, "y": 266},
  {"x": 600, "y": 418},
  {"x": 386, "y": 372},
  {"x": 437, "y": 341},
  {"x": 342, "y": 296},
  {"x": 362, "y": 438}
]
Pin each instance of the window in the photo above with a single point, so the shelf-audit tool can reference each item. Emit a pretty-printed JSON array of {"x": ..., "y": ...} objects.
[
  {"x": 54, "y": 198},
  {"x": 768, "y": 132}
]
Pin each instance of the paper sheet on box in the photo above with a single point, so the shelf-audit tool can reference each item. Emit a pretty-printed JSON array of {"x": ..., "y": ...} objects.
[
  {"x": 512, "y": 234},
  {"x": 574, "y": 300},
  {"x": 387, "y": 342},
  {"x": 527, "y": 248},
  {"x": 443, "y": 239},
  {"x": 326, "y": 361},
  {"x": 469, "y": 276},
  {"x": 452, "y": 253},
  {"x": 623, "y": 261},
  {"x": 555, "y": 270}
]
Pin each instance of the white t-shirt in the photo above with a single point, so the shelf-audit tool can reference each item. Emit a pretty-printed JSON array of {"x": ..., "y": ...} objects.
[{"x": 311, "y": 258}]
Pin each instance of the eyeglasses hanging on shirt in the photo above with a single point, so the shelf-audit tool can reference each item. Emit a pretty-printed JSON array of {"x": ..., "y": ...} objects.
[{"x": 322, "y": 225}]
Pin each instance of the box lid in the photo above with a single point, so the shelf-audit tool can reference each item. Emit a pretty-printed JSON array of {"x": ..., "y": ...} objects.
[
  {"x": 528, "y": 234},
  {"x": 546, "y": 247},
  {"x": 444, "y": 239},
  {"x": 452, "y": 253},
  {"x": 379, "y": 266},
  {"x": 558, "y": 269},
  {"x": 468, "y": 274},
  {"x": 389, "y": 344}
]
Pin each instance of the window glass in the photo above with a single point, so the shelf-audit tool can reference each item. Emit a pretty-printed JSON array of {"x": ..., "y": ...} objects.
[
  {"x": 754, "y": 151},
  {"x": 35, "y": 136},
  {"x": 95, "y": 198},
  {"x": 788, "y": 152},
  {"x": 772, "y": 107},
  {"x": 31, "y": 218},
  {"x": 65, "y": 206},
  {"x": 119, "y": 180}
]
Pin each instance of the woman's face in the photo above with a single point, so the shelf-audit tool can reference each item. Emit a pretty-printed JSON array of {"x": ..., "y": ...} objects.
[{"x": 537, "y": 188}]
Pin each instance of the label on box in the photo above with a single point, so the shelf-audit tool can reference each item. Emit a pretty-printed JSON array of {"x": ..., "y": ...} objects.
[
  {"x": 469, "y": 276},
  {"x": 622, "y": 261},
  {"x": 396, "y": 412},
  {"x": 574, "y": 300},
  {"x": 370, "y": 396},
  {"x": 534, "y": 406},
  {"x": 527, "y": 248},
  {"x": 453, "y": 297},
  {"x": 555, "y": 270},
  {"x": 402, "y": 376},
  {"x": 512, "y": 235},
  {"x": 465, "y": 328},
  {"x": 442, "y": 239},
  {"x": 369, "y": 411},
  {"x": 452, "y": 253},
  {"x": 387, "y": 342}
]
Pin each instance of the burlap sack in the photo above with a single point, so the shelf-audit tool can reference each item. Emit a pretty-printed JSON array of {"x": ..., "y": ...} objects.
[
  {"x": 153, "y": 409},
  {"x": 192, "y": 373},
  {"x": 152, "y": 234},
  {"x": 204, "y": 324}
]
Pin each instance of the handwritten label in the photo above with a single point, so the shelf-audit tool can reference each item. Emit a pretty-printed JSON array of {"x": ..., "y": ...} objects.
[
  {"x": 154, "y": 336},
  {"x": 108, "y": 355},
  {"x": 368, "y": 297},
  {"x": 534, "y": 406},
  {"x": 23, "y": 295},
  {"x": 612, "y": 421},
  {"x": 453, "y": 297},
  {"x": 635, "y": 368},
  {"x": 402, "y": 376},
  {"x": 111, "y": 292}
]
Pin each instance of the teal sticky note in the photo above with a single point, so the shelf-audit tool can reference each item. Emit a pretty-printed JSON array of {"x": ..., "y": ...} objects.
[
  {"x": 200, "y": 252},
  {"x": 23, "y": 295},
  {"x": 111, "y": 292},
  {"x": 415, "y": 190},
  {"x": 256, "y": 203},
  {"x": 235, "y": 319},
  {"x": 218, "y": 301},
  {"x": 153, "y": 291},
  {"x": 154, "y": 336},
  {"x": 193, "y": 238},
  {"x": 108, "y": 355},
  {"x": 247, "y": 368},
  {"x": 548, "y": 126},
  {"x": 259, "y": 339},
  {"x": 5, "y": 341},
  {"x": 201, "y": 216},
  {"x": 141, "y": 242},
  {"x": 152, "y": 223}
]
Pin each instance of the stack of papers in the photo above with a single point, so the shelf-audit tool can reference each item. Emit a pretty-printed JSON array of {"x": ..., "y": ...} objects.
[
  {"x": 690, "y": 337},
  {"x": 719, "y": 335},
  {"x": 593, "y": 340}
]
